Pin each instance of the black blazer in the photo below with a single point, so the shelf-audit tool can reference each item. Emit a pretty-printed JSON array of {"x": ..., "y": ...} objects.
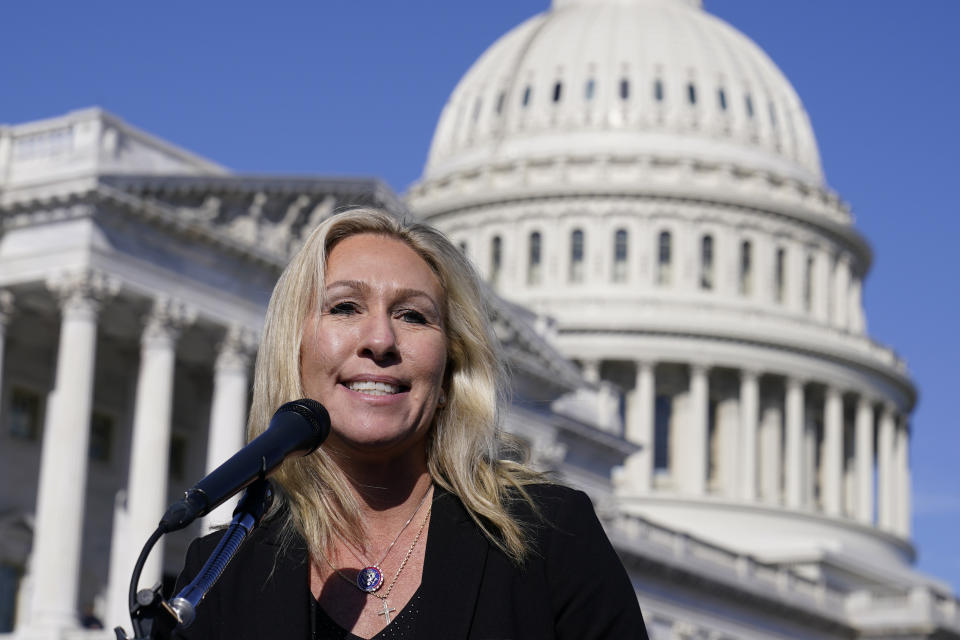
[{"x": 572, "y": 587}]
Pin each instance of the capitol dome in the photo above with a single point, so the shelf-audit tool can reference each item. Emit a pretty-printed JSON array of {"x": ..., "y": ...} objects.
[
  {"x": 643, "y": 176},
  {"x": 626, "y": 81}
]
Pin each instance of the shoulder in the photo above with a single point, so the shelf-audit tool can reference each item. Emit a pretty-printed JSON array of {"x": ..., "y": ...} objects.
[{"x": 552, "y": 505}]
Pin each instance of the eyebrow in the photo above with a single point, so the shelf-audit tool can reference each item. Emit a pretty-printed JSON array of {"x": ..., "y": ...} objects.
[{"x": 404, "y": 293}]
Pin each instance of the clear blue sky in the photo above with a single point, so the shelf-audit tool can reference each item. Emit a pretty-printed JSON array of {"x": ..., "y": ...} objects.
[{"x": 355, "y": 87}]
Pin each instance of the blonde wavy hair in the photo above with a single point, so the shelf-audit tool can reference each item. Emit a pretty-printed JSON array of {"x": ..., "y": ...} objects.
[{"x": 465, "y": 444}]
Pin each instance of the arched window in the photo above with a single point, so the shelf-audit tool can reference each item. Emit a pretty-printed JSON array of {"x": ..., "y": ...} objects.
[
  {"x": 576, "y": 256},
  {"x": 589, "y": 89},
  {"x": 663, "y": 258},
  {"x": 527, "y": 94},
  {"x": 748, "y": 103},
  {"x": 624, "y": 89},
  {"x": 557, "y": 91},
  {"x": 620, "y": 251},
  {"x": 746, "y": 268},
  {"x": 779, "y": 274},
  {"x": 722, "y": 99},
  {"x": 692, "y": 93},
  {"x": 477, "y": 106},
  {"x": 534, "y": 259},
  {"x": 808, "y": 285},
  {"x": 500, "y": 98},
  {"x": 658, "y": 90},
  {"x": 496, "y": 259},
  {"x": 706, "y": 263}
]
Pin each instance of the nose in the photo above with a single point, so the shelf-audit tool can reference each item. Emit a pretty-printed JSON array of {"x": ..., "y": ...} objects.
[{"x": 378, "y": 339}]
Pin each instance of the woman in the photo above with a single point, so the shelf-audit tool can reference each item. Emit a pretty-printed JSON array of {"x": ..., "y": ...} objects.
[{"x": 408, "y": 522}]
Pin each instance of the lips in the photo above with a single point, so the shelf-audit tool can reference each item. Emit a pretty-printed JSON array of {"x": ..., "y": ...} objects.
[{"x": 375, "y": 387}]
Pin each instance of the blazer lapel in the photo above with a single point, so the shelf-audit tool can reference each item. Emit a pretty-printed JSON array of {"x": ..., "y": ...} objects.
[
  {"x": 453, "y": 569},
  {"x": 283, "y": 599}
]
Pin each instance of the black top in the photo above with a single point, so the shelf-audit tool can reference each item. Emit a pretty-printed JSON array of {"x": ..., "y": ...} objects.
[
  {"x": 571, "y": 587},
  {"x": 401, "y": 626}
]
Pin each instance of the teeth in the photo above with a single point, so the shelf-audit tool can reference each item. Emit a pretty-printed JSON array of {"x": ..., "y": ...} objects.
[{"x": 373, "y": 388}]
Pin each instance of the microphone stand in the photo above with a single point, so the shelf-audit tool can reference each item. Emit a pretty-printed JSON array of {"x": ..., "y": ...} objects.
[{"x": 152, "y": 617}]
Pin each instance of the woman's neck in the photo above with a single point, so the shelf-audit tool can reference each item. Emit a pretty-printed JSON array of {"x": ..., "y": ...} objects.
[{"x": 386, "y": 490}]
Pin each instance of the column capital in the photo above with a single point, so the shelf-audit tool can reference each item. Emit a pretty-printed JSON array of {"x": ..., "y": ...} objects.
[
  {"x": 795, "y": 382},
  {"x": 750, "y": 373},
  {"x": 234, "y": 352},
  {"x": 82, "y": 292},
  {"x": 6, "y": 307},
  {"x": 163, "y": 324},
  {"x": 700, "y": 368}
]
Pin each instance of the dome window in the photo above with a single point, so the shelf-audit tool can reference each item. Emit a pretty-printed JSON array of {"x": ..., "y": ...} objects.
[
  {"x": 773, "y": 114},
  {"x": 527, "y": 94},
  {"x": 463, "y": 247},
  {"x": 692, "y": 93},
  {"x": 808, "y": 285},
  {"x": 722, "y": 99},
  {"x": 496, "y": 259},
  {"x": 658, "y": 90},
  {"x": 500, "y": 99},
  {"x": 624, "y": 89},
  {"x": 779, "y": 275},
  {"x": 748, "y": 102},
  {"x": 706, "y": 263},
  {"x": 477, "y": 105},
  {"x": 557, "y": 91},
  {"x": 620, "y": 246},
  {"x": 746, "y": 268},
  {"x": 663, "y": 258},
  {"x": 534, "y": 259},
  {"x": 576, "y": 256},
  {"x": 589, "y": 89}
]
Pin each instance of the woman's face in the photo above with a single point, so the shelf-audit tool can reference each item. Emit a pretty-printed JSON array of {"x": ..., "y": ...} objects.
[{"x": 374, "y": 354}]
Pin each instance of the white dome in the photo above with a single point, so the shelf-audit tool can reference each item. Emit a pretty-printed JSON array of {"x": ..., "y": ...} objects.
[{"x": 625, "y": 80}]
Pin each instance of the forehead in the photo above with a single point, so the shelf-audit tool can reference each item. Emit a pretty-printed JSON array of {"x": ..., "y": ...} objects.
[{"x": 381, "y": 261}]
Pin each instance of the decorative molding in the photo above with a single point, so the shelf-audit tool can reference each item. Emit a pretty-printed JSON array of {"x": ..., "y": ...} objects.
[
  {"x": 235, "y": 351},
  {"x": 166, "y": 320},
  {"x": 82, "y": 292}
]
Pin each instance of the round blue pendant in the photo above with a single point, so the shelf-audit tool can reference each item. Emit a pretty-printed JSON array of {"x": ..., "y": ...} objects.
[{"x": 369, "y": 579}]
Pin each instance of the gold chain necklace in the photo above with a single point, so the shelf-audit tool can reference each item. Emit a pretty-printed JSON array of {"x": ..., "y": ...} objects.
[
  {"x": 370, "y": 577},
  {"x": 383, "y": 598}
]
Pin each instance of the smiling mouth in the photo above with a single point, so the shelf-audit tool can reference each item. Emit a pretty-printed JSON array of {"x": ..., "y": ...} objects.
[{"x": 374, "y": 388}]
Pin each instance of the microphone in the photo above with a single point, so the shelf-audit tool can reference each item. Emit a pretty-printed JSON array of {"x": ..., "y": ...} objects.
[{"x": 297, "y": 428}]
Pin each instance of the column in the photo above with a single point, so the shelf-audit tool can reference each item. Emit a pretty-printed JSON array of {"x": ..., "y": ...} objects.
[
  {"x": 749, "y": 409},
  {"x": 6, "y": 312},
  {"x": 902, "y": 471},
  {"x": 640, "y": 428},
  {"x": 832, "y": 460},
  {"x": 771, "y": 453},
  {"x": 591, "y": 370},
  {"x": 695, "y": 478},
  {"x": 793, "y": 482},
  {"x": 150, "y": 447},
  {"x": 726, "y": 447},
  {"x": 228, "y": 413},
  {"x": 885, "y": 479},
  {"x": 55, "y": 559},
  {"x": 864, "y": 460}
]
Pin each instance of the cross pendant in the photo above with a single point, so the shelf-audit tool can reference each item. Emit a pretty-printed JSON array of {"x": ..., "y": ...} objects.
[{"x": 386, "y": 611}]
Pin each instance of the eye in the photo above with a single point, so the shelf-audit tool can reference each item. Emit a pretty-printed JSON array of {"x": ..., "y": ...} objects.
[
  {"x": 413, "y": 317},
  {"x": 343, "y": 308}
]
